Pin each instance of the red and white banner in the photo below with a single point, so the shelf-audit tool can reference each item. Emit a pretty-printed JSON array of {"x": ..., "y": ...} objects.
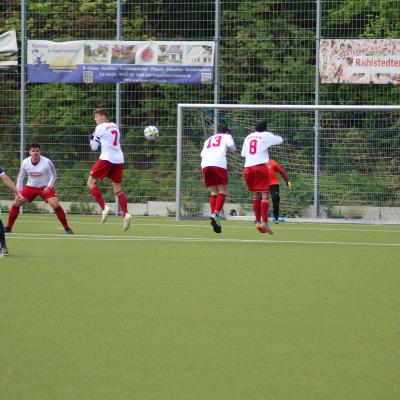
[{"x": 363, "y": 61}]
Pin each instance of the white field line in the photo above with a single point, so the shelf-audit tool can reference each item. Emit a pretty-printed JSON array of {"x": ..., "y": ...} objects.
[
  {"x": 33, "y": 236},
  {"x": 207, "y": 226}
]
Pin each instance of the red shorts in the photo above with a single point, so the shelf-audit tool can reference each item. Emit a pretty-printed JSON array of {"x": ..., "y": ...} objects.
[
  {"x": 257, "y": 178},
  {"x": 29, "y": 193},
  {"x": 104, "y": 168},
  {"x": 214, "y": 176}
]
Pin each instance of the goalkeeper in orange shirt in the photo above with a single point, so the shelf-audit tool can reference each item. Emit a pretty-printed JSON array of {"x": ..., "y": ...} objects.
[{"x": 273, "y": 169}]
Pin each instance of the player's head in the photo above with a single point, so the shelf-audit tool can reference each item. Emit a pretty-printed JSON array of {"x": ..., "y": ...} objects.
[
  {"x": 222, "y": 128},
  {"x": 261, "y": 126},
  {"x": 100, "y": 115},
  {"x": 34, "y": 151}
]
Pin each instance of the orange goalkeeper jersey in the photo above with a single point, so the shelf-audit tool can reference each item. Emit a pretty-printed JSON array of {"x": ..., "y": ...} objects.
[{"x": 273, "y": 168}]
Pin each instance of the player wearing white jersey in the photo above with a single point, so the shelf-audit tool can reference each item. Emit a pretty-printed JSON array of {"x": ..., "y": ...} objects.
[
  {"x": 10, "y": 184},
  {"x": 110, "y": 164},
  {"x": 255, "y": 151},
  {"x": 215, "y": 174},
  {"x": 42, "y": 177}
]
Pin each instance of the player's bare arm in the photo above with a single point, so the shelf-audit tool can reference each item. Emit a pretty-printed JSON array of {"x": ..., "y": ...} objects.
[{"x": 9, "y": 183}]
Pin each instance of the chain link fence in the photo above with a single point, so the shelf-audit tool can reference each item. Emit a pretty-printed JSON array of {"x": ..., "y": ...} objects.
[{"x": 267, "y": 55}]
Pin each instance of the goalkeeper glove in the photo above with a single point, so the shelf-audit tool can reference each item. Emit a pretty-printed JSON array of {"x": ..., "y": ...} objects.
[
  {"x": 289, "y": 184},
  {"x": 91, "y": 137}
]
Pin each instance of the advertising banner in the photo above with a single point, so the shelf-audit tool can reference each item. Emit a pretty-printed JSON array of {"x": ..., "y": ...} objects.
[
  {"x": 363, "y": 61},
  {"x": 101, "y": 61},
  {"x": 8, "y": 49}
]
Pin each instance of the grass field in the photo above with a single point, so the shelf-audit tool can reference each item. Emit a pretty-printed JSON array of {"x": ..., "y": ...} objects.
[{"x": 170, "y": 310}]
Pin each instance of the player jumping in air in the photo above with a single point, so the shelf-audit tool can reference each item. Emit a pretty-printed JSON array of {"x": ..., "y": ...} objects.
[
  {"x": 10, "y": 184},
  {"x": 110, "y": 164},
  {"x": 42, "y": 177},
  {"x": 255, "y": 151},
  {"x": 214, "y": 166}
]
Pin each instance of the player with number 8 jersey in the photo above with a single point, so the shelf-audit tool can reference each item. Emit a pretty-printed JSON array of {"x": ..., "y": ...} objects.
[
  {"x": 215, "y": 174},
  {"x": 255, "y": 151},
  {"x": 110, "y": 164}
]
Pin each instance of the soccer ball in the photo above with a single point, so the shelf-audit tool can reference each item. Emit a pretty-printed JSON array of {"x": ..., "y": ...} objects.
[{"x": 151, "y": 132}]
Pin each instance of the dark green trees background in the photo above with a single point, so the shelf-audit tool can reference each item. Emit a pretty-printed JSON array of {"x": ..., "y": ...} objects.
[{"x": 267, "y": 57}]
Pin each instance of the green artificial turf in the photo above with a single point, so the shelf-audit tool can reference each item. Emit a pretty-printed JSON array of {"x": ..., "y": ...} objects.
[{"x": 170, "y": 310}]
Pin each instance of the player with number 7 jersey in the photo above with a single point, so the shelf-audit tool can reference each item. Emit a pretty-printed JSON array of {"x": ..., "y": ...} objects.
[
  {"x": 255, "y": 150},
  {"x": 110, "y": 164}
]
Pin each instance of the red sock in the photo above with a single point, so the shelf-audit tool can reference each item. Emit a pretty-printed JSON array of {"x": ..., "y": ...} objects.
[
  {"x": 96, "y": 193},
  {"x": 257, "y": 209},
  {"x": 264, "y": 210},
  {"x": 123, "y": 202},
  {"x": 14, "y": 211},
  {"x": 220, "y": 202},
  {"x": 61, "y": 216},
  {"x": 213, "y": 202}
]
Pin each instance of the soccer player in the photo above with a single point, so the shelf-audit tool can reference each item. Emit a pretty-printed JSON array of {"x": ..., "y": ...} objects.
[
  {"x": 273, "y": 169},
  {"x": 42, "y": 177},
  {"x": 110, "y": 164},
  {"x": 215, "y": 174},
  {"x": 10, "y": 184},
  {"x": 255, "y": 151}
]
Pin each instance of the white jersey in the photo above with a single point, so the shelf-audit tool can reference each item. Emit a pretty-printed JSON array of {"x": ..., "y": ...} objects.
[
  {"x": 214, "y": 150},
  {"x": 42, "y": 174},
  {"x": 255, "y": 147},
  {"x": 108, "y": 136}
]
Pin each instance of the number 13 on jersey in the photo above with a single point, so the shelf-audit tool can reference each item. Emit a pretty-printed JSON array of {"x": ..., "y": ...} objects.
[{"x": 214, "y": 141}]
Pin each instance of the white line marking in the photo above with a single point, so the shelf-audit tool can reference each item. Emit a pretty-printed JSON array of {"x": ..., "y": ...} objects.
[
  {"x": 33, "y": 236},
  {"x": 207, "y": 226}
]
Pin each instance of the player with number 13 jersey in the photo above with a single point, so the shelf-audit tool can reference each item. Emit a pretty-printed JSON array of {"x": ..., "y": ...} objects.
[{"x": 214, "y": 166}]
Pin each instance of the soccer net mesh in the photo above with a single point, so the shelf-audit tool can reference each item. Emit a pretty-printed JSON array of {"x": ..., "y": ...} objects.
[{"x": 356, "y": 159}]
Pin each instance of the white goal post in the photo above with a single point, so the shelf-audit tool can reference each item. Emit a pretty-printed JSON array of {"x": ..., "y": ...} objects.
[{"x": 345, "y": 158}]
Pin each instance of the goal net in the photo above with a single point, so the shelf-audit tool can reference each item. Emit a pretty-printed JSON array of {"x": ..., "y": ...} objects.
[{"x": 343, "y": 161}]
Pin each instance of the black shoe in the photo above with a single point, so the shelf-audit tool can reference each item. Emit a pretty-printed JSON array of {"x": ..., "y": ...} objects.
[
  {"x": 69, "y": 231},
  {"x": 4, "y": 251},
  {"x": 7, "y": 230}
]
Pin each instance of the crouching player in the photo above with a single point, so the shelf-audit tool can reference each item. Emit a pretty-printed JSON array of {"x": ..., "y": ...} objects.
[
  {"x": 10, "y": 184},
  {"x": 42, "y": 177}
]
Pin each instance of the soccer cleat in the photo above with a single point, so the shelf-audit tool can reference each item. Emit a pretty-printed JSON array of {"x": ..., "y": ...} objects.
[
  {"x": 4, "y": 251},
  {"x": 263, "y": 227},
  {"x": 215, "y": 220},
  {"x": 260, "y": 227},
  {"x": 276, "y": 220},
  {"x": 267, "y": 228},
  {"x": 127, "y": 221},
  {"x": 7, "y": 230},
  {"x": 104, "y": 214},
  {"x": 69, "y": 231}
]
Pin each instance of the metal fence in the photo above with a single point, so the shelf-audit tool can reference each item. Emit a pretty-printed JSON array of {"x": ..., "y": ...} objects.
[{"x": 266, "y": 54}]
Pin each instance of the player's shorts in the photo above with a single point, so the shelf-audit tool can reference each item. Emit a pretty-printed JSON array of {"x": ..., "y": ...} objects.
[
  {"x": 104, "y": 168},
  {"x": 30, "y": 193},
  {"x": 214, "y": 176},
  {"x": 257, "y": 178}
]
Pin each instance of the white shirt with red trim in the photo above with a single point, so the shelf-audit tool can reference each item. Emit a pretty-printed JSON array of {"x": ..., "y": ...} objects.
[
  {"x": 42, "y": 174},
  {"x": 107, "y": 135},
  {"x": 214, "y": 150},
  {"x": 255, "y": 147}
]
